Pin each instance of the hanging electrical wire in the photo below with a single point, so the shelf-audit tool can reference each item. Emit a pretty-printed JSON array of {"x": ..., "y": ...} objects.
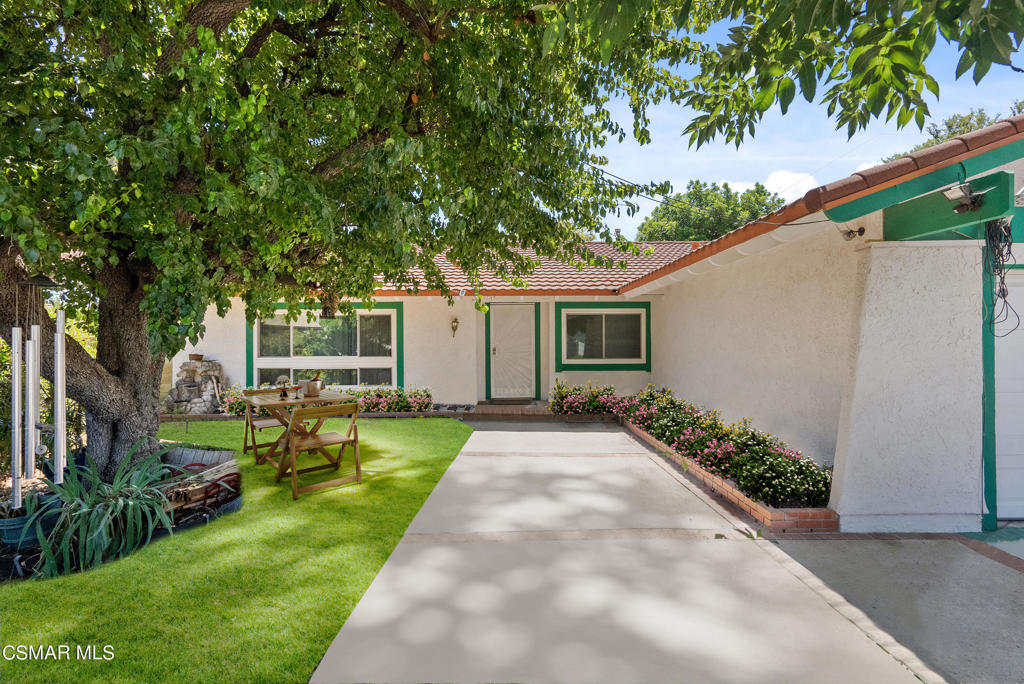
[
  {"x": 999, "y": 240},
  {"x": 668, "y": 201}
]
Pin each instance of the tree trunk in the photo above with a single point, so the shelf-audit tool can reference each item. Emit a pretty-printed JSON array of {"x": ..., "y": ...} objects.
[
  {"x": 122, "y": 349},
  {"x": 119, "y": 389}
]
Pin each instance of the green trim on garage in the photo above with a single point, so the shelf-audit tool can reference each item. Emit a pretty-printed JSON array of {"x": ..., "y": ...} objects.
[
  {"x": 592, "y": 366},
  {"x": 397, "y": 307}
]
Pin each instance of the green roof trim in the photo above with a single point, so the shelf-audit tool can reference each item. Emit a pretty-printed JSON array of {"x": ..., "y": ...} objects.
[{"x": 914, "y": 187}]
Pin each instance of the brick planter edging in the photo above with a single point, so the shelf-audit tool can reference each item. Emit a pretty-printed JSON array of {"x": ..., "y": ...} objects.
[{"x": 823, "y": 520}]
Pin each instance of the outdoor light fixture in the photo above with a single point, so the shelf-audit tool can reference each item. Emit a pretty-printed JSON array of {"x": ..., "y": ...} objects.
[
  {"x": 455, "y": 326},
  {"x": 958, "y": 192},
  {"x": 850, "y": 234},
  {"x": 964, "y": 196}
]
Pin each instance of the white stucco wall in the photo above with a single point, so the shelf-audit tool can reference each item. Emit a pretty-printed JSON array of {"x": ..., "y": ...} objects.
[
  {"x": 768, "y": 337},
  {"x": 223, "y": 342},
  {"x": 909, "y": 442},
  {"x": 436, "y": 359}
]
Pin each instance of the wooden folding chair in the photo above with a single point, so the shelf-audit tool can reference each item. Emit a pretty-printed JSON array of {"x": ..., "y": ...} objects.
[
  {"x": 254, "y": 425},
  {"x": 302, "y": 438}
]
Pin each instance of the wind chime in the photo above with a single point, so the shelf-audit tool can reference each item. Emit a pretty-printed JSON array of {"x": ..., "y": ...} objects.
[{"x": 26, "y": 427}]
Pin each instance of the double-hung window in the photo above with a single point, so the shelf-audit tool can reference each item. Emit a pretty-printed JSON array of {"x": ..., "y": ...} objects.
[
  {"x": 594, "y": 336},
  {"x": 346, "y": 351}
]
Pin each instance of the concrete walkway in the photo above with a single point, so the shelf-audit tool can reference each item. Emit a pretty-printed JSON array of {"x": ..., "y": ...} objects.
[{"x": 570, "y": 553}]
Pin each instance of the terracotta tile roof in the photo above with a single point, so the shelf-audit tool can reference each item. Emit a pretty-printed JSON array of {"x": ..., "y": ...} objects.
[
  {"x": 555, "y": 277},
  {"x": 850, "y": 188}
]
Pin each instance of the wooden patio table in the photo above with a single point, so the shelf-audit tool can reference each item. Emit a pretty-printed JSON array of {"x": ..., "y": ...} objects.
[{"x": 281, "y": 410}]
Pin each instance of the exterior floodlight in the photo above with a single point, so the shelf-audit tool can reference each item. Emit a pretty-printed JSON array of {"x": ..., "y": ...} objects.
[{"x": 958, "y": 193}]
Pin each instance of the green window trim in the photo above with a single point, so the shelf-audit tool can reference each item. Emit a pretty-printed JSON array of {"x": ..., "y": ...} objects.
[
  {"x": 397, "y": 307},
  {"x": 591, "y": 365}
]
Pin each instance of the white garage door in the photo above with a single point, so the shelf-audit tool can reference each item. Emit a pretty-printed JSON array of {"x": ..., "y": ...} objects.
[{"x": 1010, "y": 409}]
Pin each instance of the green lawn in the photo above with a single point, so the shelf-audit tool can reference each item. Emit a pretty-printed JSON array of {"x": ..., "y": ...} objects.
[{"x": 257, "y": 595}]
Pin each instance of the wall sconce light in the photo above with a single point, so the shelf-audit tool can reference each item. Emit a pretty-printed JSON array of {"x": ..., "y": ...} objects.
[
  {"x": 455, "y": 326},
  {"x": 850, "y": 234}
]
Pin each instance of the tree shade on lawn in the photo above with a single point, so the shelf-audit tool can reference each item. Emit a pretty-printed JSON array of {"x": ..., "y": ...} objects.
[{"x": 257, "y": 595}]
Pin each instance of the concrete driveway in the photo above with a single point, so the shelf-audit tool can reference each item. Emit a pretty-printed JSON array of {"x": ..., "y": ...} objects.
[{"x": 570, "y": 553}]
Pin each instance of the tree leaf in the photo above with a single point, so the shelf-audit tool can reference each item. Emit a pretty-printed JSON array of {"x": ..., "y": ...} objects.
[
  {"x": 787, "y": 90},
  {"x": 808, "y": 80}
]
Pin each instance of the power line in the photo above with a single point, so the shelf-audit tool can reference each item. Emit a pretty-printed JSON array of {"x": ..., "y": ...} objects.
[{"x": 672, "y": 202}]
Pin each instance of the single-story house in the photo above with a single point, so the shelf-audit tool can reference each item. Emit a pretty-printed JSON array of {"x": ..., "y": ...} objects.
[{"x": 857, "y": 323}]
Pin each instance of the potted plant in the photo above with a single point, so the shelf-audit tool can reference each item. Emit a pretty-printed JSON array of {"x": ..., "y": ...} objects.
[{"x": 15, "y": 529}]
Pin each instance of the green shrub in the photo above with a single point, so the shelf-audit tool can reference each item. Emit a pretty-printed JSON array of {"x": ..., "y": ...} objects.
[
  {"x": 100, "y": 521},
  {"x": 232, "y": 401},
  {"x": 579, "y": 399},
  {"x": 394, "y": 399},
  {"x": 782, "y": 478}
]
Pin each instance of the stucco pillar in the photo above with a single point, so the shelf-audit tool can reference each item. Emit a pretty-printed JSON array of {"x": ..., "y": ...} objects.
[{"x": 909, "y": 445}]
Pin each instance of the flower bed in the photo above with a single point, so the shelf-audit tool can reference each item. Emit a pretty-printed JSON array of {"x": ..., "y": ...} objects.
[
  {"x": 757, "y": 465},
  {"x": 395, "y": 400},
  {"x": 371, "y": 400}
]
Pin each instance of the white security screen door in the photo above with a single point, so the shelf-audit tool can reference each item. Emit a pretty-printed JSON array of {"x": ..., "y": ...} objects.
[
  {"x": 512, "y": 351},
  {"x": 1010, "y": 408}
]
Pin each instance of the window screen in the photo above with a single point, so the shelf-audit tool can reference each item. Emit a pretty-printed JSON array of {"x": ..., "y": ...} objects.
[{"x": 609, "y": 336}]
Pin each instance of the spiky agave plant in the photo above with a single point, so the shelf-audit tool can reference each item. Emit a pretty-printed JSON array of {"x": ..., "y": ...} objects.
[{"x": 100, "y": 521}]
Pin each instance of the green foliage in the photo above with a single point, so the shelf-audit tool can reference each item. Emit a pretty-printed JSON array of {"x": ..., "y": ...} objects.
[
  {"x": 232, "y": 401},
  {"x": 860, "y": 59},
  {"x": 100, "y": 521},
  {"x": 959, "y": 124},
  {"x": 707, "y": 211},
  {"x": 760, "y": 464},
  {"x": 283, "y": 149},
  {"x": 782, "y": 479},
  {"x": 394, "y": 399}
]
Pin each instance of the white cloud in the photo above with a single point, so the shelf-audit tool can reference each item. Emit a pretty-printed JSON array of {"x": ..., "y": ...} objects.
[
  {"x": 738, "y": 186},
  {"x": 867, "y": 165},
  {"x": 790, "y": 184}
]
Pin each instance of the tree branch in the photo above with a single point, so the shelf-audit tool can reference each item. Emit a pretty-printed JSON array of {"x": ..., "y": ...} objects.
[{"x": 88, "y": 382}]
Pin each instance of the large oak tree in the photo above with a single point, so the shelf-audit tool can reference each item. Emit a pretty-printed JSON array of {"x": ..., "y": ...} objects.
[{"x": 157, "y": 157}]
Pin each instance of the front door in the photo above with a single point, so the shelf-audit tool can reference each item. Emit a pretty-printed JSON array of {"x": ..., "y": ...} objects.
[
  {"x": 512, "y": 362},
  {"x": 1010, "y": 407}
]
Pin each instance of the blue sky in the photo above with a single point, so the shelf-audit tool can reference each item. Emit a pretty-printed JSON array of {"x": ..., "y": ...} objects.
[{"x": 792, "y": 153}]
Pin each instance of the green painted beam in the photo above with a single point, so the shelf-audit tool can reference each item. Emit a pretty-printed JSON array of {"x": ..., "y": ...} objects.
[
  {"x": 932, "y": 217},
  {"x": 989, "y": 516},
  {"x": 927, "y": 183}
]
